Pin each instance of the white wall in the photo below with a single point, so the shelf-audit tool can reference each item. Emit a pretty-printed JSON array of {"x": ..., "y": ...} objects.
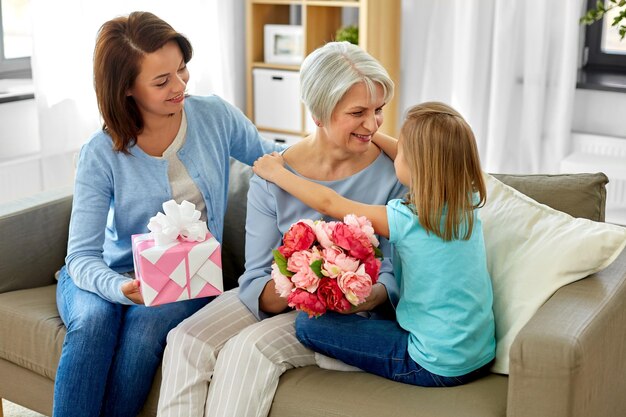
[
  {"x": 18, "y": 129},
  {"x": 600, "y": 112},
  {"x": 23, "y": 171}
]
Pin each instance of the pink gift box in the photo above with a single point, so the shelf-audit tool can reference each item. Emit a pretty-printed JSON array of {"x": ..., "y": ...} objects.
[{"x": 177, "y": 271}]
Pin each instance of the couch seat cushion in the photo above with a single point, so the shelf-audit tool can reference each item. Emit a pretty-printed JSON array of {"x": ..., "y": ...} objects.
[
  {"x": 315, "y": 392},
  {"x": 32, "y": 331}
]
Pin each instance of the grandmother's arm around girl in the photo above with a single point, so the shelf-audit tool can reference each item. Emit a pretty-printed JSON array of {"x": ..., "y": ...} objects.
[{"x": 444, "y": 333}]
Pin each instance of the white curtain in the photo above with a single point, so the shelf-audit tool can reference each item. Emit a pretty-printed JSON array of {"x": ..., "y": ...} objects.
[
  {"x": 64, "y": 38},
  {"x": 509, "y": 66}
]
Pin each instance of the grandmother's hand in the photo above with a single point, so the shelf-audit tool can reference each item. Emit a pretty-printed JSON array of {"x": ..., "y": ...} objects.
[
  {"x": 269, "y": 166},
  {"x": 377, "y": 297},
  {"x": 132, "y": 291}
]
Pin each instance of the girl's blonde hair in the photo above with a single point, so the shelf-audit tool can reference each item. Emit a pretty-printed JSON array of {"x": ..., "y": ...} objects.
[{"x": 441, "y": 153}]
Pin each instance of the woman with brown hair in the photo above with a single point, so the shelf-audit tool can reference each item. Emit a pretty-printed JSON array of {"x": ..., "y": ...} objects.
[{"x": 157, "y": 143}]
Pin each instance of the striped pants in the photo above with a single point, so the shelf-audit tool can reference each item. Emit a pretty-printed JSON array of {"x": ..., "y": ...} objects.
[{"x": 242, "y": 358}]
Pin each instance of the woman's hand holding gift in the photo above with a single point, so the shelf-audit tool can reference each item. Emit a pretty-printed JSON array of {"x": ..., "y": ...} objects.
[{"x": 132, "y": 291}]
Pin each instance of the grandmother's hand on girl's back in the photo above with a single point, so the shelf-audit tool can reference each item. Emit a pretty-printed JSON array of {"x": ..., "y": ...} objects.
[
  {"x": 132, "y": 291},
  {"x": 269, "y": 166}
]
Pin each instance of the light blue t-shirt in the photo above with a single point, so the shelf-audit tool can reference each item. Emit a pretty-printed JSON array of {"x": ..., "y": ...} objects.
[
  {"x": 445, "y": 295},
  {"x": 271, "y": 211},
  {"x": 116, "y": 193}
]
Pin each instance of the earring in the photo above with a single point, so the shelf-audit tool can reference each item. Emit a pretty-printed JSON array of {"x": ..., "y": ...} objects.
[{"x": 318, "y": 123}]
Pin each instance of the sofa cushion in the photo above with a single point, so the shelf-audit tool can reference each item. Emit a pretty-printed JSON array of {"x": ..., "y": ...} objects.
[
  {"x": 233, "y": 248},
  {"x": 579, "y": 195},
  {"x": 32, "y": 336},
  {"x": 314, "y": 392},
  {"x": 41, "y": 221},
  {"x": 532, "y": 251},
  {"x": 32, "y": 331}
]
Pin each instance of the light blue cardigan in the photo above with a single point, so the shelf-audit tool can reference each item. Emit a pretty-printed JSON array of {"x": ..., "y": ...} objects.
[{"x": 115, "y": 193}]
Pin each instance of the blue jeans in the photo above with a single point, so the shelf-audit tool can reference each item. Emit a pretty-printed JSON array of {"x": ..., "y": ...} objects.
[
  {"x": 379, "y": 347},
  {"x": 111, "y": 351}
]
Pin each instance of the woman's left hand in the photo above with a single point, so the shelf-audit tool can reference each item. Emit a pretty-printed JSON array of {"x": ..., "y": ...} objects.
[
  {"x": 132, "y": 291},
  {"x": 376, "y": 298}
]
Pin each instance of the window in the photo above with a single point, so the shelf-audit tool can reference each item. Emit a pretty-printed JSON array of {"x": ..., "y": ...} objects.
[
  {"x": 604, "y": 48},
  {"x": 16, "y": 40},
  {"x": 604, "y": 55}
]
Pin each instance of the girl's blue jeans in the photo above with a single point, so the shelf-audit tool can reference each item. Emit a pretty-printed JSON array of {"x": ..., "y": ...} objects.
[
  {"x": 111, "y": 351},
  {"x": 379, "y": 347}
]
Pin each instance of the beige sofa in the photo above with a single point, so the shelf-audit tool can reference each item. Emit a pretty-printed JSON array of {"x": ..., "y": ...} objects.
[{"x": 569, "y": 360}]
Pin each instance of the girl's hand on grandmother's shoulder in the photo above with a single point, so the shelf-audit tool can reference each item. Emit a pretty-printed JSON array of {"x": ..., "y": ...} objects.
[
  {"x": 269, "y": 166},
  {"x": 132, "y": 291}
]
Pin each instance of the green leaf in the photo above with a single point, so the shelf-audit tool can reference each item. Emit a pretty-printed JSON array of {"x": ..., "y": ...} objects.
[
  {"x": 316, "y": 266},
  {"x": 281, "y": 262},
  {"x": 378, "y": 253}
]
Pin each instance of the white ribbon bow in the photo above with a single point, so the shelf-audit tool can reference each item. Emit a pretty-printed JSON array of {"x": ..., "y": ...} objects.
[{"x": 179, "y": 220}]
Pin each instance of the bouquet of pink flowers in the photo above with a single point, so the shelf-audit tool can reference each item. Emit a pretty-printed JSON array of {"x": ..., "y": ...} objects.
[{"x": 327, "y": 265}]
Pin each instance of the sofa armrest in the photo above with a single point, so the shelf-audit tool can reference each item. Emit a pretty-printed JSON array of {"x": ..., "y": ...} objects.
[
  {"x": 33, "y": 239},
  {"x": 570, "y": 358}
]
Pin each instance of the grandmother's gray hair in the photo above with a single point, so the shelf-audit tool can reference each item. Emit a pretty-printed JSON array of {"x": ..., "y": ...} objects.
[{"x": 328, "y": 72}]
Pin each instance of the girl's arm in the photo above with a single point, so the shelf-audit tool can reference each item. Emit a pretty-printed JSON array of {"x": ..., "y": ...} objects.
[
  {"x": 320, "y": 198},
  {"x": 388, "y": 144}
]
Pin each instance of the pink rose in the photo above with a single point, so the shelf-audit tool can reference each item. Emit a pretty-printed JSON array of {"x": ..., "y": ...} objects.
[
  {"x": 307, "y": 302},
  {"x": 324, "y": 232},
  {"x": 364, "y": 224},
  {"x": 332, "y": 295},
  {"x": 306, "y": 279},
  {"x": 353, "y": 240},
  {"x": 282, "y": 284},
  {"x": 298, "y": 261},
  {"x": 331, "y": 253},
  {"x": 342, "y": 263},
  {"x": 346, "y": 263},
  {"x": 372, "y": 267},
  {"x": 300, "y": 236},
  {"x": 357, "y": 286}
]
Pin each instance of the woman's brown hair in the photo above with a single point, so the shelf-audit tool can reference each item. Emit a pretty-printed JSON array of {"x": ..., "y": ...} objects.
[
  {"x": 441, "y": 153},
  {"x": 120, "y": 47}
]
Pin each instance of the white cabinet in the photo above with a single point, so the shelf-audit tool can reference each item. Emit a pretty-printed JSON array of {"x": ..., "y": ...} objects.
[{"x": 277, "y": 99}]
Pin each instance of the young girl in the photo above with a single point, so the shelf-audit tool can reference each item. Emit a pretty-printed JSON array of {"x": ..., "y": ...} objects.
[{"x": 444, "y": 334}]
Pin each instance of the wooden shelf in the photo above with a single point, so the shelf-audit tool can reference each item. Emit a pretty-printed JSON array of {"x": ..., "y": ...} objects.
[
  {"x": 276, "y": 66},
  {"x": 288, "y": 2},
  {"x": 330, "y": 3},
  {"x": 379, "y": 35}
]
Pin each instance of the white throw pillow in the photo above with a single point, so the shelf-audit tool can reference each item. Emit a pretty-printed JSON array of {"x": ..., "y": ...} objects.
[{"x": 532, "y": 251}]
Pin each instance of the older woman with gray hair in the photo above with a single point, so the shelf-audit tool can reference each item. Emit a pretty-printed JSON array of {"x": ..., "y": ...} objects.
[{"x": 227, "y": 358}]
